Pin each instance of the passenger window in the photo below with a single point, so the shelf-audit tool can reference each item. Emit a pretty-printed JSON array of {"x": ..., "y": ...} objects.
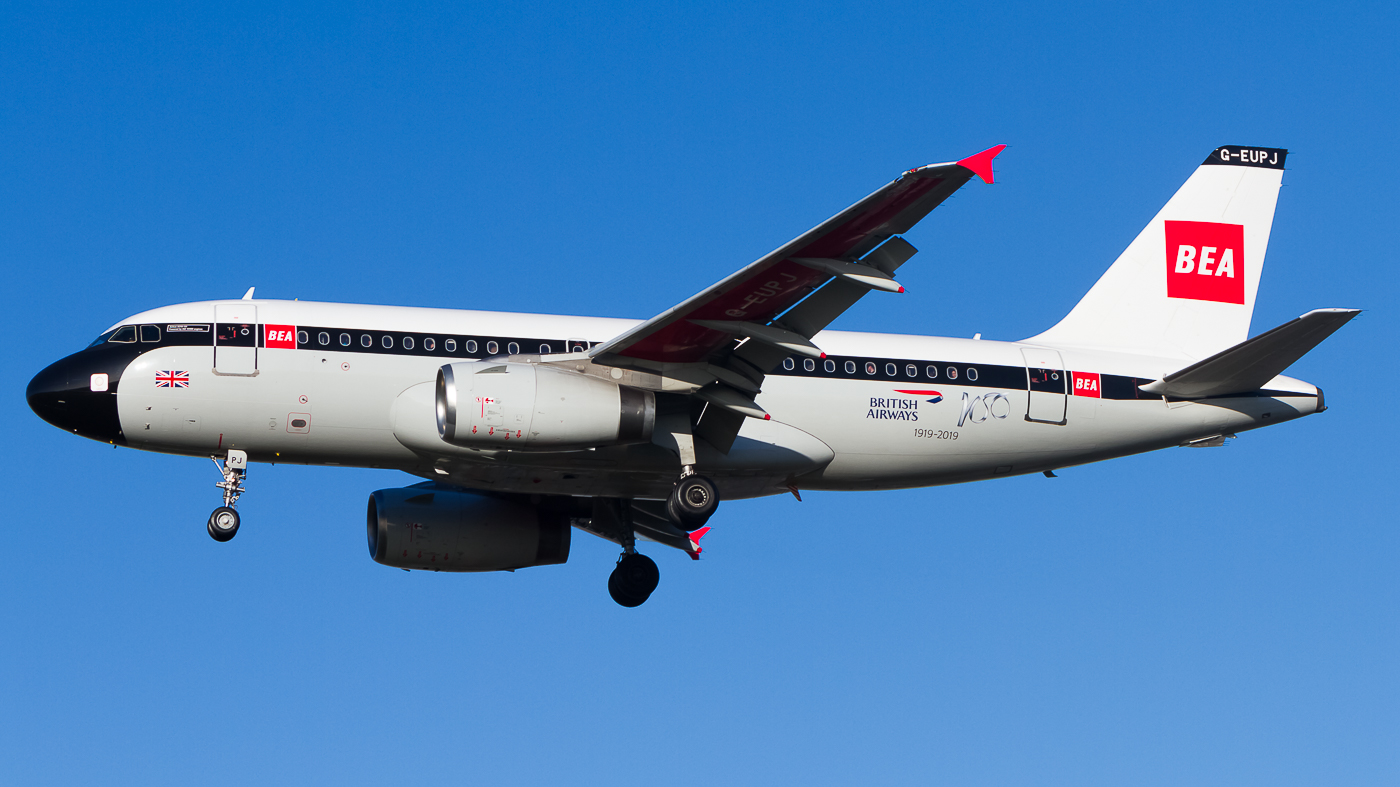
[
  {"x": 850, "y": 367},
  {"x": 512, "y": 348},
  {"x": 408, "y": 342},
  {"x": 451, "y": 345},
  {"x": 911, "y": 370},
  {"x": 809, "y": 364},
  {"x": 789, "y": 364},
  {"x": 324, "y": 338},
  {"x": 544, "y": 349},
  {"x": 870, "y": 367},
  {"x": 150, "y": 333},
  {"x": 972, "y": 374},
  {"x": 303, "y": 337},
  {"x": 345, "y": 340},
  {"x": 124, "y": 335},
  {"x": 952, "y": 372},
  {"x": 891, "y": 370},
  {"x": 471, "y": 345},
  {"x": 830, "y": 365},
  {"x": 366, "y": 341},
  {"x": 492, "y": 348},
  {"x": 429, "y": 344},
  {"x": 388, "y": 342},
  {"x": 932, "y": 372}
]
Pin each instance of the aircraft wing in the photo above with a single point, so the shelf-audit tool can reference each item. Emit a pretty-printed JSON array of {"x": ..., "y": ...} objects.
[{"x": 743, "y": 304}]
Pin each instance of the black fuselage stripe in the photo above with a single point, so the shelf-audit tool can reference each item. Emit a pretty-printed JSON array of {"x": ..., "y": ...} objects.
[{"x": 885, "y": 370}]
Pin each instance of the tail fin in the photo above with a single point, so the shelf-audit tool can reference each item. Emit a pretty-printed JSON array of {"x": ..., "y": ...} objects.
[{"x": 1185, "y": 287}]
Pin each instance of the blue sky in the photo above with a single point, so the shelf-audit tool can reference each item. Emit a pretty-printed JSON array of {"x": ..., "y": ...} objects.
[{"x": 1190, "y": 616}]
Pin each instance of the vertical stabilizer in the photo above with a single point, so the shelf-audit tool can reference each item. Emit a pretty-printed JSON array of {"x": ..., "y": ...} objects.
[{"x": 1185, "y": 287}]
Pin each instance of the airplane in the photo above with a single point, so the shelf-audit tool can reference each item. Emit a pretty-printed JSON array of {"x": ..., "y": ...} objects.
[{"x": 526, "y": 426}]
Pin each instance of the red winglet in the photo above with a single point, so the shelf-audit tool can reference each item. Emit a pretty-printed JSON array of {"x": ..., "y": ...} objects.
[
  {"x": 981, "y": 163},
  {"x": 695, "y": 542}
]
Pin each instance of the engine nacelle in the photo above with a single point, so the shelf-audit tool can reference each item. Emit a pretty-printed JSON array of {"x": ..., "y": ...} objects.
[
  {"x": 443, "y": 530},
  {"x": 482, "y": 404}
]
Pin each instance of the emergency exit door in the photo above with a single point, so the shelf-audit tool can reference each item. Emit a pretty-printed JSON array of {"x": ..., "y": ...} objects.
[
  {"x": 235, "y": 339},
  {"x": 1046, "y": 385}
]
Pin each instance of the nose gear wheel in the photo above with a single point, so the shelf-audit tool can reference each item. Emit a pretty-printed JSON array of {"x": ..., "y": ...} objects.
[{"x": 223, "y": 524}]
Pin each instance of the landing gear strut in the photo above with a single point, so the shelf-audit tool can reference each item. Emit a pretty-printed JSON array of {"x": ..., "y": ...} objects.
[
  {"x": 692, "y": 501},
  {"x": 636, "y": 575},
  {"x": 223, "y": 523}
]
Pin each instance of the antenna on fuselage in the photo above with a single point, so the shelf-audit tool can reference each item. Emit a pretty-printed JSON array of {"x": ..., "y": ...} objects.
[{"x": 248, "y": 296}]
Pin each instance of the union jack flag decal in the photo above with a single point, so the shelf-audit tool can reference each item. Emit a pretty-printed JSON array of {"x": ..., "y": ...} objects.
[{"x": 172, "y": 379}]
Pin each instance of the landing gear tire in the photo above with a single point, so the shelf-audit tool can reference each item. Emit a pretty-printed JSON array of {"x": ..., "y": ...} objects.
[
  {"x": 633, "y": 581},
  {"x": 223, "y": 524},
  {"x": 693, "y": 500}
]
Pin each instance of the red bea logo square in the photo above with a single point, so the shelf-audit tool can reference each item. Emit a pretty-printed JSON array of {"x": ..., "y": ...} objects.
[
  {"x": 1087, "y": 384},
  {"x": 280, "y": 336},
  {"x": 1205, "y": 261}
]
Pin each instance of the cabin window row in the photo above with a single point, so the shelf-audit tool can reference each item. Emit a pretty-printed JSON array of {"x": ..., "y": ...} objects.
[
  {"x": 334, "y": 339},
  {"x": 871, "y": 368},
  {"x": 429, "y": 344}
]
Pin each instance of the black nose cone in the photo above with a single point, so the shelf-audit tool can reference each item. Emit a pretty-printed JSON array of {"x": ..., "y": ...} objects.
[{"x": 79, "y": 394}]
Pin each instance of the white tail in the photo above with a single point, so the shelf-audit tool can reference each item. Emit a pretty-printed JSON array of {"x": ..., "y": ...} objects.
[{"x": 1185, "y": 287}]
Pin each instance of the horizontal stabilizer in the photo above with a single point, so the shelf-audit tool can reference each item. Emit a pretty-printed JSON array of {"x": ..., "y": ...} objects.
[{"x": 1251, "y": 364}]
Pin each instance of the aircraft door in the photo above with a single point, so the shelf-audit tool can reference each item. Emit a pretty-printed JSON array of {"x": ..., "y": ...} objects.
[
  {"x": 1046, "y": 388},
  {"x": 236, "y": 339}
]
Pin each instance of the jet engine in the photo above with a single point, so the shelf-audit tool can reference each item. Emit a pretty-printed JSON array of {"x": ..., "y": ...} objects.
[
  {"x": 524, "y": 406},
  {"x": 435, "y": 529}
]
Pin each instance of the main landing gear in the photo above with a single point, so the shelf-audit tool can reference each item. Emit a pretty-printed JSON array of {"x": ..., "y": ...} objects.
[
  {"x": 223, "y": 523},
  {"x": 635, "y": 577},
  {"x": 692, "y": 501}
]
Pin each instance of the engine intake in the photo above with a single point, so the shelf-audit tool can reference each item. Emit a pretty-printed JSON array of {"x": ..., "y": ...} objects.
[
  {"x": 524, "y": 406},
  {"x": 435, "y": 529}
]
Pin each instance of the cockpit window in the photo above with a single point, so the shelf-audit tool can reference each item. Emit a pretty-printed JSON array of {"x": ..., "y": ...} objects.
[
  {"x": 124, "y": 335},
  {"x": 103, "y": 338},
  {"x": 150, "y": 333}
]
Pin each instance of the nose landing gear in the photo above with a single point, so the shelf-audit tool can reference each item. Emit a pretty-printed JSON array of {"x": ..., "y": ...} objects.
[{"x": 223, "y": 522}]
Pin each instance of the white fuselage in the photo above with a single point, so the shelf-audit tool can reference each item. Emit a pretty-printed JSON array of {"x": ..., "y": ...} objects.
[{"x": 966, "y": 412}]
